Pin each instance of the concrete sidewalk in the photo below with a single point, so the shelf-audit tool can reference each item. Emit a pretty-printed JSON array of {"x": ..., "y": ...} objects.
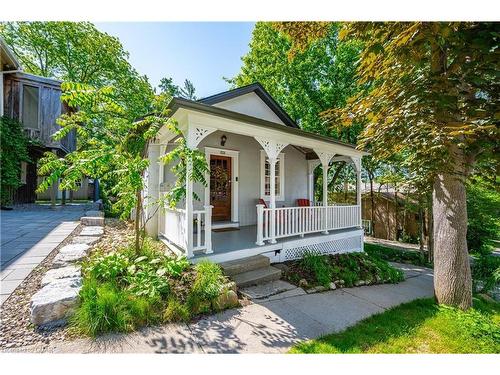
[
  {"x": 263, "y": 327},
  {"x": 28, "y": 235}
]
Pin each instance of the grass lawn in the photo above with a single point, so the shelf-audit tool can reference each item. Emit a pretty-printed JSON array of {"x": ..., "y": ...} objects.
[{"x": 420, "y": 326}]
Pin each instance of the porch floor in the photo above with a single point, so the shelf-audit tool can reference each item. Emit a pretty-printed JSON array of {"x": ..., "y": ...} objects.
[{"x": 245, "y": 238}]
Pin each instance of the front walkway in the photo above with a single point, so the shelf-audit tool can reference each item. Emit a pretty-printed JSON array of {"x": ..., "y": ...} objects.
[
  {"x": 28, "y": 234},
  {"x": 393, "y": 244},
  {"x": 271, "y": 326}
]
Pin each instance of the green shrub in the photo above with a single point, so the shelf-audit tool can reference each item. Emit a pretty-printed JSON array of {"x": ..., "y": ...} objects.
[
  {"x": 13, "y": 150},
  {"x": 396, "y": 255},
  {"x": 483, "y": 219},
  {"x": 486, "y": 269},
  {"x": 107, "y": 267},
  {"x": 175, "y": 266},
  {"x": 208, "y": 282},
  {"x": 106, "y": 308},
  {"x": 176, "y": 311},
  {"x": 146, "y": 279},
  {"x": 318, "y": 266}
]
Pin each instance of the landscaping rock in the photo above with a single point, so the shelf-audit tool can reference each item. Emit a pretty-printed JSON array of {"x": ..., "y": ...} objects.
[
  {"x": 85, "y": 240},
  {"x": 93, "y": 231},
  {"x": 303, "y": 283},
  {"x": 68, "y": 272},
  {"x": 359, "y": 283},
  {"x": 92, "y": 221},
  {"x": 95, "y": 213},
  {"x": 231, "y": 286},
  {"x": 55, "y": 301},
  {"x": 226, "y": 299},
  {"x": 69, "y": 254},
  {"x": 316, "y": 289},
  {"x": 333, "y": 286}
]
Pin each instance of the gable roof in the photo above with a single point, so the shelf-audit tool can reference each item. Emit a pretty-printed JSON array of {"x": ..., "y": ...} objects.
[
  {"x": 260, "y": 92},
  {"x": 7, "y": 58}
]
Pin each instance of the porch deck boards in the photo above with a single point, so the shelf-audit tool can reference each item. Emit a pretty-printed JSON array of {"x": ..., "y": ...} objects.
[{"x": 245, "y": 238}]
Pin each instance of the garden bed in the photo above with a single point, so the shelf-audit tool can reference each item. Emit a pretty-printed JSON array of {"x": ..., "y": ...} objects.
[
  {"x": 397, "y": 255},
  {"x": 124, "y": 289},
  {"x": 319, "y": 272}
]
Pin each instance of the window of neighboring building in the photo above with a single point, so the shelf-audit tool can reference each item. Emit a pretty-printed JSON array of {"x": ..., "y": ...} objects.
[
  {"x": 24, "y": 172},
  {"x": 265, "y": 177},
  {"x": 30, "y": 107}
]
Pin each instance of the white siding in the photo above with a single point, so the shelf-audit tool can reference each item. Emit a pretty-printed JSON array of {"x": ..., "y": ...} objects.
[
  {"x": 249, "y": 174},
  {"x": 250, "y": 104}
]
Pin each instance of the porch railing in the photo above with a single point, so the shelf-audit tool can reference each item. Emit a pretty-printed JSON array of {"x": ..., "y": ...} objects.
[
  {"x": 173, "y": 226},
  {"x": 297, "y": 221}
]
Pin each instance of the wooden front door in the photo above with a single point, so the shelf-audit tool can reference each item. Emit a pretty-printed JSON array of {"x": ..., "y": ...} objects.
[{"x": 220, "y": 187}]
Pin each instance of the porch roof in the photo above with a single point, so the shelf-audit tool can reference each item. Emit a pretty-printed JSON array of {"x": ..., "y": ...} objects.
[{"x": 181, "y": 103}]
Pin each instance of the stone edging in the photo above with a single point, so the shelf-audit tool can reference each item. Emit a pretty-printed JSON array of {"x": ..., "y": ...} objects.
[{"x": 61, "y": 285}]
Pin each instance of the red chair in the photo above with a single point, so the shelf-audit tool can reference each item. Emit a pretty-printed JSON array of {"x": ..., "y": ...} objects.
[
  {"x": 262, "y": 201},
  {"x": 303, "y": 202}
]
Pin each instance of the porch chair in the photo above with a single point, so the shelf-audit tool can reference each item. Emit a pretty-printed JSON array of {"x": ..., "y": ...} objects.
[{"x": 303, "y": 202}]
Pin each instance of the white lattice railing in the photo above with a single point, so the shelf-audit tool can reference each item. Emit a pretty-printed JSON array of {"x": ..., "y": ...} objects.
[
  {"x": 293, "y": 221},
  {"x": 172, "y": 226}
]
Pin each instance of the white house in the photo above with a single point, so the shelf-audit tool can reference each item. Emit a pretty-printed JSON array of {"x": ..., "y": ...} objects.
[{"x": 256, "y": 153}]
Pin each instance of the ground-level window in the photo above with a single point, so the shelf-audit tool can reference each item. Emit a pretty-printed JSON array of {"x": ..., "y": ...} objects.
[
  {"x": 265, "y": 177},
  {"x": 30, "y": 107}
]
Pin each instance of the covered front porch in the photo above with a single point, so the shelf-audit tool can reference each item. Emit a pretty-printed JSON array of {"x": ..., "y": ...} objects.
[
  {"x": 267, "y": 187},
  {"x": 240, "y": 243}
]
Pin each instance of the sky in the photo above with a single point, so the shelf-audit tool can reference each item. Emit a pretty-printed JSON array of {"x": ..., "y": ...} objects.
[{"x": 203, "y": 52}]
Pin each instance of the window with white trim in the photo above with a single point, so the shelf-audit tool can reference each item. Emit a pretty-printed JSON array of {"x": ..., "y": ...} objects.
[{"x": 265, "y": 177}]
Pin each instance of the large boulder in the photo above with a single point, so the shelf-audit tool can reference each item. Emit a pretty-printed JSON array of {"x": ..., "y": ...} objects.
[
  {"x": 55, "y": 302},
  {"x": 68, "y": 272},
  {"x": 227, "y": 299},
  {"x": 69, "y": 254},
  {"x": 93, "y": 231}
]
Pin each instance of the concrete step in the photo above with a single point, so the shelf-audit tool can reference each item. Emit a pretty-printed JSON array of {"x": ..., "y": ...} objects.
[
  {"x": 234, "y": 267},
  {"x": 257, "y": 276}
]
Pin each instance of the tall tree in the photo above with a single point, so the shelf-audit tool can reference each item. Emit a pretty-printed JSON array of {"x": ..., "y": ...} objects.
[
  {"x": 321, "y": 76},
  {"x": 188, "y": 91},
  {"x": 432, "y": 90},
  {"x": 77, "y": 52}
]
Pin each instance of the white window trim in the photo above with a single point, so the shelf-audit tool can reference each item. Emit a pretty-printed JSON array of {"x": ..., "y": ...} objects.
[
  {"x": 234, "y": 155},
  {"x": 281, "y": 196}
]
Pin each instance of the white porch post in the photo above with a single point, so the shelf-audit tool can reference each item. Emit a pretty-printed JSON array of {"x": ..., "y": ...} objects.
[
  {"x": 260, "y": 225},
  {"x": 272, "y": 197},
  {"x": 272, "y": 149},
  {"x": 311, "y": 166},
  {"x": 208, "y": 229},
  {"x": 325, "y": 158},
  {"x": 189, "y": 208},
  {"x": 357, "y": 166},
  {"x": 194, "y": 134}
]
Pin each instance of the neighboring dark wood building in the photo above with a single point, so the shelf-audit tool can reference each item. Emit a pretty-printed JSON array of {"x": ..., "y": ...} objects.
[{"x": 35, "y": 102}]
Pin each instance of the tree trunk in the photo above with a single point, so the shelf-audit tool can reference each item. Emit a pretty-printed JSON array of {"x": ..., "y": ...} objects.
[
  {"x": 372, "y": 213},
  {"x": 138, "y": 210},
  {"x": 452, "y": 274},
  {"x": 396, "y": 216}
]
